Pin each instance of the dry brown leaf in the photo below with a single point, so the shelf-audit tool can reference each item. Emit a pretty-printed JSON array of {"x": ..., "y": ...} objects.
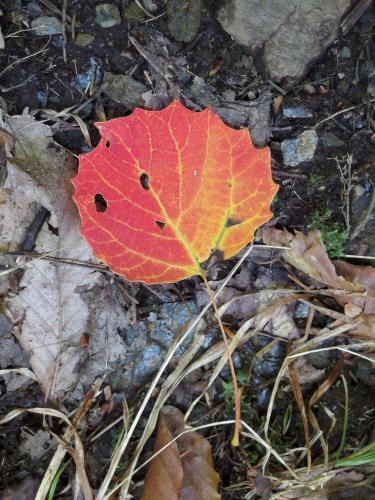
[
  {"x": 352, "y": 286},
  {"x": 184, "y": 470},
  {"x": 363, "y": 276},
  {"x": 302, "y": 409},
  {"x": 53, "y": 303},
  {"x": 307, "y": 253}
]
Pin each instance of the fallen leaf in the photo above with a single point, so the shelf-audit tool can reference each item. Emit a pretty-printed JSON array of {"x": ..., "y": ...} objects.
[
  {"x": 53, "y": 301},
  {"x": 352, "y": 286},
  {"x": 307, "y": 253},
  {"x": 164, "y": 190},
  {"x": 363, "y": 276},
  {"x": 184, "y": 470}
]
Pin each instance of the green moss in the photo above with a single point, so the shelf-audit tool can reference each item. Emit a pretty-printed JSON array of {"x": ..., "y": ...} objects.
[{"x": 334, "y": 236}]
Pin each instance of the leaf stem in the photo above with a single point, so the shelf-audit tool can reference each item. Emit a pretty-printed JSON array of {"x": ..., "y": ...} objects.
[{"x": 237, "y": 400}]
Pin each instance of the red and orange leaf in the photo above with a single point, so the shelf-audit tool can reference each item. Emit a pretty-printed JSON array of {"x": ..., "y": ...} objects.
[{"x": 163, "y": 190}]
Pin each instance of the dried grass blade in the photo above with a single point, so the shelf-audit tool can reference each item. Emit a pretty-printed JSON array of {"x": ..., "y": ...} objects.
[
  {"x": 322, "y": 389},
  {"x": 302, "y": 409}
]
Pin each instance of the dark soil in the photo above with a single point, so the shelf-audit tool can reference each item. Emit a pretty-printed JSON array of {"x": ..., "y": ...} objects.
[{"x": 33, "y": 75}]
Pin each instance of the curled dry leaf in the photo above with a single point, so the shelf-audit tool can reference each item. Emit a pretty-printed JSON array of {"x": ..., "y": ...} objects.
[
  {"x": 184, "y": 470},
  {"x": 307, "y": 253},
  {"x": 359, "y": 307},
  {"x": 352, "y": 286},
  {"x": 165, "y": 190}
]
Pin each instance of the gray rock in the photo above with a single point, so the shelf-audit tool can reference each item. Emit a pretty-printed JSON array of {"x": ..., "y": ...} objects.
[
  {"x": 292, "y": 34},
  {"x": 263, "y": 397},
  {"x": 266, "y": 368},
  {"x": 320, "y": 360},
  {"x": 302, "y": 311},
  {"x": 85, "y": 77},
  {"x": 300, "y": 149},
  {"x": 124, "y": 89},
  {"x": 134, "y": 13},
  {"x": 346, "y": 53},
  {"x": 203, "y": 93},
  {"x": 84, "y": 39},
  {"x": 184, "y": 17},
  {"x": 365, "y": 372},
  {"x": 107, "y": 15},
  {"x": 296, "y": 112},
  {"x": 46, "y": 26}
]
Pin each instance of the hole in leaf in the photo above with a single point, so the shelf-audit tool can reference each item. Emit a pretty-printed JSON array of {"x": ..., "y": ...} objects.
[
  {"x": 54, "y": 230},
  {"x": 144, "y": 180},
  {"x": 160, "y": 224},
  {"x": 233, "y": 222},
  {"x": 107, "y": 143},
  {"x": 100, "y": 203}
]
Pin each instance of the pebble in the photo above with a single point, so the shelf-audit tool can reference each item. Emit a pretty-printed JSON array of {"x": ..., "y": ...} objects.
[
  {"x": 320, "y": 360},
  {"x": 124, "y": 89},
  {"x": 133, "y": 13},
  {"x": 84, "y": 39},
  {"x": 296, "y": 112},
  {"x": 302, "y": 311},
  {"x": 266, "y": 368},
  {"x": 300, "y": 149},
  {"x": 345, "y": 53},
  {"x": 263, "y": 397},
  {"x": 107, "y": 15},
  {"x": 184, "y": 17},
  {"x": 309, "y": 88},
  {"x": 365, "y": 372},
  {"x": 46, "y": 26},
  {"x": 84, "y": 78}
]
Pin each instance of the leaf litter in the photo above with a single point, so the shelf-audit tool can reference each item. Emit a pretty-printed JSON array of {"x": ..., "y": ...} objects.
[
  {"x": 52, "y": 307},
  {"x": 349, "y": 284}
]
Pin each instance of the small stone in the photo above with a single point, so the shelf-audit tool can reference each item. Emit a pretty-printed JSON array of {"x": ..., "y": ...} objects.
[
  {"x": 309, "y": 88},
  {"x": 184, "y": 17},
  {"x": 345, "y": 53},
  {"x": 266, "y": 368},
  {"x": 263, "y": 397},
  {"x": 133, "y": 13},
  {"x": 124, "y": 89},
  {"x": 365, "y": 372},
  {"x": 302, "y": 311},
  {"x": 91, "y": 72},
  {"x": 203, "y": 93},
  {"x": 320, "y": 360},
  {"x": 296, "y": 112},
  {"x": 46, "y": 26},
  {"x": 84, "y": 39},
  {"x": 107, "y": 15},
  {"x": 300, "y": 149}
]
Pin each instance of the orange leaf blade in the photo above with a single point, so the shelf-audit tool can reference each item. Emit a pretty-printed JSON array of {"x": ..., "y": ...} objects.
[{"x": 165, "y": 189}]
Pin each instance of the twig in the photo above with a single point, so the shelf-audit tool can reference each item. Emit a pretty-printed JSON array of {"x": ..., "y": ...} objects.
[
  {"x": 64, "y": 8},
  {"x": 345, "y": 168},
  {"x": 18, "y": 61},
  {"x": 341, "y": 112},
  {"x": 143, "y": 9},
  {"x": 354, "y": 15}
]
